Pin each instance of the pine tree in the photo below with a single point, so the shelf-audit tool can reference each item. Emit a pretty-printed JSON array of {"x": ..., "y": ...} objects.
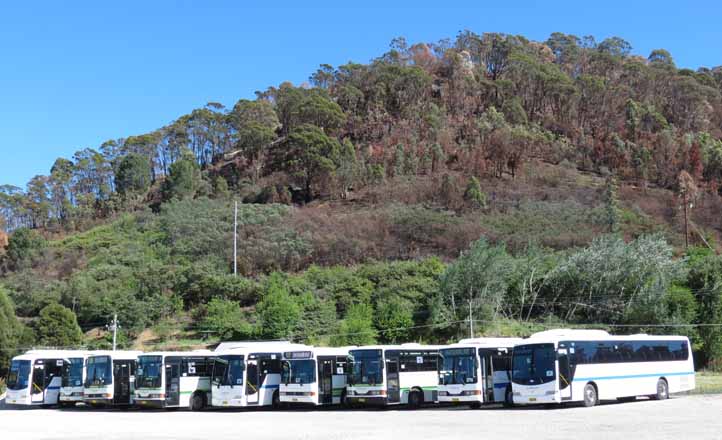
[
  {"x": 474, "y": 195},
  {"x": 611, "y": 204}
]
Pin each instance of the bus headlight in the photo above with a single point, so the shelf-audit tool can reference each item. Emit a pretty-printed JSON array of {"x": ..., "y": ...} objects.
[
  {"x": 443, "y": 393},
  {"x": 516, "y": 394},
  {"x": 376, "y": 393},
  {"x": 471, "y": 393},
  {"x": 550, "y": 393}
]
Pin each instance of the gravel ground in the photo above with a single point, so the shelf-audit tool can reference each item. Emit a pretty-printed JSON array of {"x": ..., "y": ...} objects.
[{"x": 693, "y": 417}]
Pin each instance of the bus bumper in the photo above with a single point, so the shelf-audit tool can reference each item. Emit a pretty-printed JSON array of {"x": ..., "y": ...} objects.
[
  {"x": 149, "y": 403},
  {"x": 98, "y": 401},
  {"x": 367, "y": 400},
  {"x": 299, "y": 400},
  {"x": 460, "y": 399},
  {"x": 534, "y": 399}
]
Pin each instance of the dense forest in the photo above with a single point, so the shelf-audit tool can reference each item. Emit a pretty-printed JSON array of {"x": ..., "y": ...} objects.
[{"x": 524, "y": 184}]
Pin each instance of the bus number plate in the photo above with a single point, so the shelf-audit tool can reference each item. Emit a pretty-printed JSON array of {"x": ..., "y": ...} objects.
[
  {"x": 532, "y": 399},
  {"x": 362, "y": 400},
  {"x": 454, "y": 399}
]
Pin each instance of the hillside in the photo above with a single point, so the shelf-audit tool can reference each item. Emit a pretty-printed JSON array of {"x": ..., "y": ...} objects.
[{"x": 534, "y": 184}]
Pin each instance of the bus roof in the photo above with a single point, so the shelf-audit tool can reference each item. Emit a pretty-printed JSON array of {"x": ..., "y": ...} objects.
[
  {"x": 261, "y": 347},
  {"x": 592, "y": 335},
  {"x": 231, "y": 345},
  {"x": 485, "y": 343},
  {"x": 117, "y": 354},
  {"x": 178, "y": 353},
  {"x": 324, "y": 351},
  {"x": 407, "y": 346},
  {"x": 51, "y": 354}
]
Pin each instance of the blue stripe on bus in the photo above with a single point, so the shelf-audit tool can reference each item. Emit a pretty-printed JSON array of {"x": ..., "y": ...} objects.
[
  {"x": 53, "y": 388},
  {"x": 270, "y": 386},
  {"x": 632, "y": 376},
  {"x": 501, "y": 385}
]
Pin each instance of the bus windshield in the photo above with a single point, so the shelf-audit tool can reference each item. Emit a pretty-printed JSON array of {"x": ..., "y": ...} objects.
[
  {"x": 73, "y": 373},
  {"x": 366, "y": 367},
  {"x": 228, "y": 370},
  {"x": 458, "y": 366},
  {"x": 148, "y": 373},
  {"x": 299, "y": 371},
  {"x": 534, "y": 364},
  {"x": 19, "y": 376},
  {"x": 99, "y": 372}
]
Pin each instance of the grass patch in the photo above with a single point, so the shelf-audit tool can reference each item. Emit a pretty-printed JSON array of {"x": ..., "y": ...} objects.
[
  {"x": 708, "y": 382},
  {"x": 2, "y": 385}
]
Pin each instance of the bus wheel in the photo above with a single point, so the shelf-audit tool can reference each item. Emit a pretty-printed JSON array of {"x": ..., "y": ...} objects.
[
  {"x": 276, "y": 400},
  {"x": 344, "y": 401},
  {"x": 196, "y": 402},
  {"x": 475, "y": 405},
  {"x": 415, "y": 399},
  {"x": 508, "y": 398},
  {"x": 662, "y": 390},
  {"x": 590, "y": 395}
]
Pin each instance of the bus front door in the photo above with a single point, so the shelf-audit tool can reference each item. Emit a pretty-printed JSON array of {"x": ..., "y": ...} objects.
[
  {"x": 172, "y": 382},
  {"x": 121, "y": 382},
  {"x": 392, "y": 378},
  {"x": 37, "y": 391},
  {"x": 325, "y": 380},
  {"x": 252, "y": 382},
  {"x": 565, "y": 376},
  {"x": 487, "y": 373}
]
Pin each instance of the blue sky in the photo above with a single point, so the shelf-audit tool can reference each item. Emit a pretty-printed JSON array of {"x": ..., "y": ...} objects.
[{"x": 73, "y": 74}]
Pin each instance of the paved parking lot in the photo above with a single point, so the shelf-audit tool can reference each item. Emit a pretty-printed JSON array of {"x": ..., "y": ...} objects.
[{"x": 684, "y": 417}]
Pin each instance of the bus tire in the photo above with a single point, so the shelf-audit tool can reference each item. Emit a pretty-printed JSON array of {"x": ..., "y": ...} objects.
[
  {"x": 276, "y": 400},
  {"x": 508, "y": 398},
  {"x": 416, "y": 398},
  {"x": 590, "y": 395},
  {"x": 196, "y": 402},
  {"x": 475, "y": 405},
  {"x": 662, "y": 390},
  {"x": 344, "y": 400}
]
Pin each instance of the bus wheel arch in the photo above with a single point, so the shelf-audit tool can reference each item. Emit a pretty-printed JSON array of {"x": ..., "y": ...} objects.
[
  {"x": 662, "y": 389},
  {"x": 416, "y": 397},
  {"x": 591, "y": 394}
]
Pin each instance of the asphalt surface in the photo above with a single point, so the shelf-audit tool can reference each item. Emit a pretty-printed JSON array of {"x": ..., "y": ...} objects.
[{"x": 683, "y": 417}]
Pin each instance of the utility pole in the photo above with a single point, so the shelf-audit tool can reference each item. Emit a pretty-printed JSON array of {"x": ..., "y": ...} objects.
[
  {"x": 686, "y": 223},
  {"x": 471, "y": 321},
  {"x": 114, "y": 328},
  {"x": 235, "y": 239}
]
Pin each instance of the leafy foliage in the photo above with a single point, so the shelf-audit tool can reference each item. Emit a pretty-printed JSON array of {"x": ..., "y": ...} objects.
[{"x": 57, "y": 326}]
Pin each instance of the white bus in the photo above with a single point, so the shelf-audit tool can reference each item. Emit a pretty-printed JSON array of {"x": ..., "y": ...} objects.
[
  {"x": 588, "y": 366},
  {"x": 73, "y": 380},
  {"x": 248, "y": 373},
  {"x": 476, "y": 371},
  {"x": 36, "y": 376},
  {"x": 174, "y": 379},
  {"x": 393, "y": 374},
  {"x": 314, "y": 376},
  {"x": 110, "y": 377}
]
